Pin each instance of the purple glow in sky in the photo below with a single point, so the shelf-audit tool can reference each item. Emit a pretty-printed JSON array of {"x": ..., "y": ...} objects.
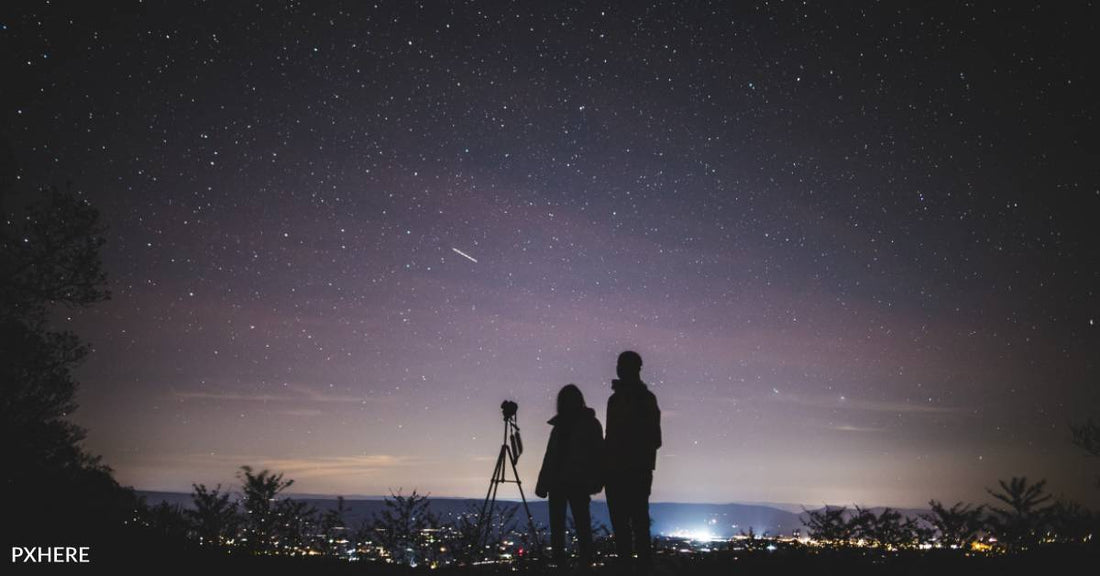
[{"x": 855, "y": 246}]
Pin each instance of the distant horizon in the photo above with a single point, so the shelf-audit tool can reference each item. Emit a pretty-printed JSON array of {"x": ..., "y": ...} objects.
[{"x": 786, "y": 506}]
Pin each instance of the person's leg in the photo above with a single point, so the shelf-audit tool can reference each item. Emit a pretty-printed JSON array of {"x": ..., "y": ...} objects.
[
  {"x": 619, "y": 511},
  {"x": 582, "y": 519},
  {"x": 557, "y": 524},
  {"x": 639, "y": 518}
]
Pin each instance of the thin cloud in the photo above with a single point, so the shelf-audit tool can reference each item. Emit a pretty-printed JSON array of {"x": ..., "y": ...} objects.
[
  {"x": 299, "y": 468},
  {"x": 846, "y": 403},
  {"x": 295, "y": 393},
  {"x": 300, "y": 412},
  {"x": 858, "y": 429},
  {"x": 336, "y": 466}
]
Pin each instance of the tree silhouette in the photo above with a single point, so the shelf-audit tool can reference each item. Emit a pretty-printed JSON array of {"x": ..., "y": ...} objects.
[
  {"x": 400, "y": 528},
  {"x": 860, "y": 524},
  {"x": 271, "y": 525},
  {"x": 599, "y": 530},
  {"x": 1021, "y": 523},
  {"x": 364, "y": 537},
  {"x": 829, "y": 525},
  {"x": 214, "y": 518},
  {"x": 51, "y": 256},
  {"x": 501, "y": 521},
  {"x": 334, "y": 531},
  {"x": 889, "y": 528},
  {"x": 530, "y": 542},
  {"x": 166, "y": 520},
  {"x": 1071, "y": 523},
  {"x": 957, "y": 526},
  {"x": 601, "y": 539},
  {"x": 295, "y": 523},
  {"x": 464, "y": 535},
  {"x": 748, "y": 540},
  {"x": 1087, "y": 437},
  {"x": 49, "y": 259}
]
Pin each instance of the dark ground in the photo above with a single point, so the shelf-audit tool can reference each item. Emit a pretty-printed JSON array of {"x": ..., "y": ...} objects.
[{"x": 1048, "y": 560}]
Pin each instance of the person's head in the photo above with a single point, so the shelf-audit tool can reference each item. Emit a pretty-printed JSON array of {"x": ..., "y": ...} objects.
[
  {"x": 629, "y": 366},
  {"x": 570, "y": 399}
]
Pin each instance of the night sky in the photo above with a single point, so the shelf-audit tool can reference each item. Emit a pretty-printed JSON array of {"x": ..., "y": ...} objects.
[{"x": 856, "y": 246}]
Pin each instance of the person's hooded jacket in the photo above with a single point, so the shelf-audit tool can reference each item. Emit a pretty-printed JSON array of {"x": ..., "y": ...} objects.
[
  {"x": 574, "y": 455},
  {"x": 633, "y": 429}
]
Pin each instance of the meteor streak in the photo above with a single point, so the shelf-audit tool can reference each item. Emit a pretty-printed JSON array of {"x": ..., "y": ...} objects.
[{"x": 464, "y": 255}]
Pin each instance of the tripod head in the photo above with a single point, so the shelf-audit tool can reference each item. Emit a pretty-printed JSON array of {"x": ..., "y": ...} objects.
[
  {"x": 511, "y": 428},
  {"x": 509, "y": 408}
]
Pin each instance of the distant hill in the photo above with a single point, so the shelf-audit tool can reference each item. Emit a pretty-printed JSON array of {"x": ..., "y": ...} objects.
[{"x": 669, "y": 518}]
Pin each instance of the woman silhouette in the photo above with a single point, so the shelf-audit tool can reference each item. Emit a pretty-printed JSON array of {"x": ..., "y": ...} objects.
[{"x": 572, "y": 470}]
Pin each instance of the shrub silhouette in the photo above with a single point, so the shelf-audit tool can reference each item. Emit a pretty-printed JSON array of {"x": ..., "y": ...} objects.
[
  {"x": 401, "y": 525},
  {"x": 333, "y": 530},
  {"x": 889, "y": 528},
  {"x": 271, "y": 525},
  {"x": 1087, "y": 437},
  {"x": 214, "y": 519},
  {"x": 829, "y": 525},
  {"x": 957, "y": 526},
  {"x": 1021, "y": 523}
]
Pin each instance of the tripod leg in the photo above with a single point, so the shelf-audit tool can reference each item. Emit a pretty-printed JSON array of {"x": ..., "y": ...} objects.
[
  {"x": 492, "y": 482},
  {"x": 485, "y": 519},
  {"x": 530, "y": 519},
  {"x": 496, "y": 490}
]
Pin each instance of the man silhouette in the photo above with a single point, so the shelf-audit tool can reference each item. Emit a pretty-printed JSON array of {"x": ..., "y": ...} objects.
[{"x": 633, "y": 437}]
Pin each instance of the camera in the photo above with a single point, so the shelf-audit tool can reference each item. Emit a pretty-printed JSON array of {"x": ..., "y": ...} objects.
[{"x": 509, "y": 408}]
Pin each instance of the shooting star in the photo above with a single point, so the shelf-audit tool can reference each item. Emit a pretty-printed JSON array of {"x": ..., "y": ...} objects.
[{"x": 464, "y": 255}]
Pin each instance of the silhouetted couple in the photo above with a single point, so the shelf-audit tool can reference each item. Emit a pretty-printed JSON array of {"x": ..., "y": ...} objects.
[{"x": 579, "y": 462}]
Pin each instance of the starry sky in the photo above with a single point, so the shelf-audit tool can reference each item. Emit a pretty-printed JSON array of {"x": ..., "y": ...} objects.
[{"x": 855, "y": 245}]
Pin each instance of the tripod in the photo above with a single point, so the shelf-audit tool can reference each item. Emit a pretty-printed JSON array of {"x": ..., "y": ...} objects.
[{"x": 512, "y": 452}]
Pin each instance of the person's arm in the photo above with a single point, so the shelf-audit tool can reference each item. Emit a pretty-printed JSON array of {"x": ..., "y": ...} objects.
[
  {"x": 599, "y": 453},
  {"x": 542, "y": 487},
  {"x": 656, "y": 424},
  {"x": 611, "y": 415}
]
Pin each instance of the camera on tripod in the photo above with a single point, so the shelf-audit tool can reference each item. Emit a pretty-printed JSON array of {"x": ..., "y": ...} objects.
[
  {"x": 511, "y": 428},
  {"x": 510, "y": 449}
]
